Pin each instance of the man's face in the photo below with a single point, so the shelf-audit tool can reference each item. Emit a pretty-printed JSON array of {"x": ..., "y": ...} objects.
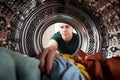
[{"x": 65, "y": 30}]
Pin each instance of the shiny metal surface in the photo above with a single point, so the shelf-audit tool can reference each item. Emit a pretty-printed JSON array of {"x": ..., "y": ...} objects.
[{"x": 97, "y": 22}]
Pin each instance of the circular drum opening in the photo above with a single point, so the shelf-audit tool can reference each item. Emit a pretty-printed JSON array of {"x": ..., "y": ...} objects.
[
  {"x": 28, "y": 21},
  {"x": 42, "y": 17}
]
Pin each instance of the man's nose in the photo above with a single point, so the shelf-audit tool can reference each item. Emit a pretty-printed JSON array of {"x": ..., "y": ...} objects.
[{"x": 64, "y": 29}]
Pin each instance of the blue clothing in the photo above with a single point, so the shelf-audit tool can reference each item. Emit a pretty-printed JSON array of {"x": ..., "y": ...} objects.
[{"x": 15, "y": 66}]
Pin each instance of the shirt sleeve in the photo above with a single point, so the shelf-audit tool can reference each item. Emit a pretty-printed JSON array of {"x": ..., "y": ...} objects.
[{"x": 56, "y": 36}]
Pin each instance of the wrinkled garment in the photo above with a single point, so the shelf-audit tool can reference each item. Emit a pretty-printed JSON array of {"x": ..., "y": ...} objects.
[
  {"x": 108, "y": 69},
  {"x": 80, "y": 67},
  {"x": 64, "y": 70},
  {"x": 15, "y": 66}
]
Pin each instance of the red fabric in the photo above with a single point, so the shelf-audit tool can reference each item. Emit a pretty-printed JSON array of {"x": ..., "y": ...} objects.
[
  {"x": 98, "y": 69},
  {"x": 112, "y": 67}
]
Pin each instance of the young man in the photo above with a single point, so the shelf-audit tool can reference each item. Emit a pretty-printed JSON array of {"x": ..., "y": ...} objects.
[{"x": 64, "y": 41}]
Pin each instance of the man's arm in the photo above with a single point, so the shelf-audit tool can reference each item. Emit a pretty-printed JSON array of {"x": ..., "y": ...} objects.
[
  {"x": 47, "y": 56},
  {"x": 46, "y": 60},
  {"x": 52, "y": 44}
]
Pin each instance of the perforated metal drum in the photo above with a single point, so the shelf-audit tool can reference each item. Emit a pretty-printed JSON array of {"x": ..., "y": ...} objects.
[{"x": 96, "y": 22}]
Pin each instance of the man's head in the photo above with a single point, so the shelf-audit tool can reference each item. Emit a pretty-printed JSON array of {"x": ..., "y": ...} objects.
[{"x": 66, "y": 31}]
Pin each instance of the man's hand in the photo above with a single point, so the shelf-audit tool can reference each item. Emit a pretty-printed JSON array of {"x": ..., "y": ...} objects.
[{"x": 46, "y": 60}]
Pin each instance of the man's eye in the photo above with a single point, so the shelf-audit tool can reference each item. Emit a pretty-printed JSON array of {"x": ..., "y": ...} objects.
[
  {"x": 67, "y": 26},
  {"x": 62, "y": 27}
]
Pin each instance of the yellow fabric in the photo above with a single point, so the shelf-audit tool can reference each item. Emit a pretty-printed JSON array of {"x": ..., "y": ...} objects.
[{"x": 81, "y": 68}]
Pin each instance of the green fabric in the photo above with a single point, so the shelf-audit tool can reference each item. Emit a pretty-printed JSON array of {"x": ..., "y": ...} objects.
[{"x": 66, "y": 47}]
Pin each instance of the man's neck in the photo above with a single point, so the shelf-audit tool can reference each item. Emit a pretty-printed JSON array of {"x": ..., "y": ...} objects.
[{"x": 67, "y": 39}]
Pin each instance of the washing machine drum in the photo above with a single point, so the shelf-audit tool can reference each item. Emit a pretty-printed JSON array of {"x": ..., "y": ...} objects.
[{"x": 33, "y": 20}]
